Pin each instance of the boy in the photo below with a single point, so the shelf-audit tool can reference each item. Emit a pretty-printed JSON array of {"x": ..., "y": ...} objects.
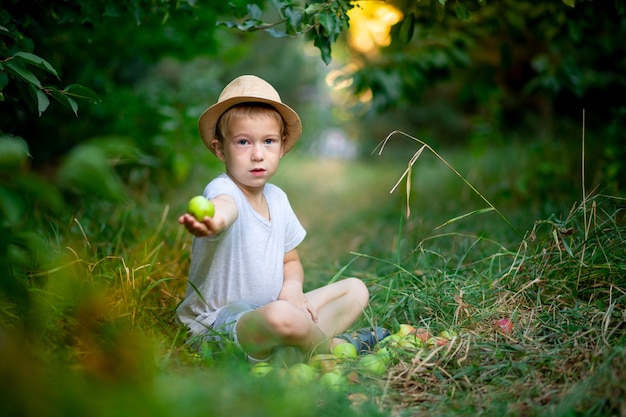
[{"x": 246, "y": 279}]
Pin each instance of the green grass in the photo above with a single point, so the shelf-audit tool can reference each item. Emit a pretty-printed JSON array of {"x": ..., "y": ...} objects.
[{"x": 100, "y": 337}]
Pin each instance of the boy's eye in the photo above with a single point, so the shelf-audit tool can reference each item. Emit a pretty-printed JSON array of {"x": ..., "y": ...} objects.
[
  {"x": 270, "y": 141},
  {"x": 242, "y": 141}
]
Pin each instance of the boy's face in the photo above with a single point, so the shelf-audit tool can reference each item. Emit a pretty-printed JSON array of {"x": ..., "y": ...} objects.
[{"x": 251, "y": 149}]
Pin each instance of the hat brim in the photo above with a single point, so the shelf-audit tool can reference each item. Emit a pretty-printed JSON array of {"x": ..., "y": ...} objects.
[{"x": 208, "y": 119}]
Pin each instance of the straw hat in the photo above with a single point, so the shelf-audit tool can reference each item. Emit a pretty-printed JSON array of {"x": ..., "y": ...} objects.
[{"x": 249, "y": 89}]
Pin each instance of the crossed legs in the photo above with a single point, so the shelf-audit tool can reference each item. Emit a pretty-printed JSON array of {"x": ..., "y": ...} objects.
[{"x": 282, "y": 324}]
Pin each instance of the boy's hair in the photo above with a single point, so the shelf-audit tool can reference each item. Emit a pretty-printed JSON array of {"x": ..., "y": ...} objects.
[{"x": 247, "y": 110}]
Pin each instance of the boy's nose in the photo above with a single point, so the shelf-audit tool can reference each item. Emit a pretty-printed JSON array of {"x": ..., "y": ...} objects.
[{"x": 257, "y": 152}]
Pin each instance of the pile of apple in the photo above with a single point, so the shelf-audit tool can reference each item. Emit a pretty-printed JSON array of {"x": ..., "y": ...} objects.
[
  {"x": 333, "y": 370},
  {"x": 338, "y": 369},
  {"x": 411, "y": 338}
]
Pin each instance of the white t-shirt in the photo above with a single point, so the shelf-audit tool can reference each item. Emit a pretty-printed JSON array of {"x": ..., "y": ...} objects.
[{"x": 243, "y": 263}]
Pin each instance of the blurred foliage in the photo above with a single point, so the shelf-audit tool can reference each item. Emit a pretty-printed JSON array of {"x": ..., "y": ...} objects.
[
  {"x": 466, "y": 70},
  {"x": 455, "y": 70},
  {"x": 86, "y": 270},
  {"x": 137, "y": 73},
  {"x": 78, "y": 39},
  {"x": 53, "y": 165}
]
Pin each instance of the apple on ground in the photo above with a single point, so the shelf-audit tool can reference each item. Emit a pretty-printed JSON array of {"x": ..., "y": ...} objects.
[
  {"x": 334, "y": 380},
  {"x": 410, "y": 342},
  {"x": 423, "y": 334},
  {"x": 301, "y": 373},
  {"x": 391, "y": 341},
  {"x": 448, "y": 334},
  {"x": 405, "y": 329},
  {"x": 386, "y": 353},
  {"x": 261, "y": 368},
  {"x": 373, "y": 364},
  {"x": 436, "y": 341},
  {"x": 324, "y": 362},
  {"x": 504, "y": 325},
  {"x": 345, "y": 351},
  {"x": 200, "y": 207}
]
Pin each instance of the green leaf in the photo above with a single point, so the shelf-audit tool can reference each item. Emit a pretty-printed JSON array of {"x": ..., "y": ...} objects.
[
  {"x": 462, "y": 11},
  {"x": 42, "y": 101},
  {"x": 36, "y": 61},
  {"x": 82, "y": 92},
  {"x": 254, "y": 11},
  {"x": 24, "y": 74},
  {"x": 314, "y": 8},
  {"x": 407, "y": 28},
  {"x": 227, "y": 24},
  {"x": 331, "y": 25},
  {"x": 248, "y": 25},
  {"x": 73, "y": 105},
  {"x": 294, "y": 21},
  {"x": 4, "y": 80},
  {"x": 63, "y": 99},
  {"x": 323, "y": 44},
  {"x": 277, "y": 33},
  {"x": 570, "y": 3}
]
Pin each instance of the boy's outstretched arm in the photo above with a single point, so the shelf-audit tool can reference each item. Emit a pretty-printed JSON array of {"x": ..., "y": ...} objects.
[
  {"x": 226, "y": 213},
  {"x": 293, "y": 280}
]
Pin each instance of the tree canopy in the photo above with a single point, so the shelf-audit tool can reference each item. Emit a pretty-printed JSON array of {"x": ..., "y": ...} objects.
[
  {"x": 100, "y": 92},
  {"x": 506, "y": 57}
]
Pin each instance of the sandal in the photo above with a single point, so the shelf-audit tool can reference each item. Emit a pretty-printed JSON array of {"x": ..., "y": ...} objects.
[{"x": 366, "y": 338}]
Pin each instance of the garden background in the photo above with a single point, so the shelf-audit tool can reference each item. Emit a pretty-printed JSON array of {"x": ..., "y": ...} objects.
[{"x": 466, "y": 159}]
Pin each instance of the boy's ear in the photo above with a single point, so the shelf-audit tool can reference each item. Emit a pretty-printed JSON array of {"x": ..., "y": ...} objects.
[{"x": 218, "y": 148}]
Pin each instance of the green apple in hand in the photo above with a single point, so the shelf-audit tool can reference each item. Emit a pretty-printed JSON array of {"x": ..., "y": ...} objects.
[{"x": 200, "y": 207}]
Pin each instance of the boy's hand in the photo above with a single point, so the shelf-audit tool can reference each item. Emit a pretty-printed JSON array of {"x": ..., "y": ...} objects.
[
  {"x": 209, "y": 226},
  {"x": 292, "y": 284},
  {"x": 225, "y": 214},
  {"x": 294, "y": 294}
]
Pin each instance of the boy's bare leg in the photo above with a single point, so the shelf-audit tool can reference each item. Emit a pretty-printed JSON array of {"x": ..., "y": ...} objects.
[
  {"x": 282, "y": 324},
  {"x": 339, "y": 304},
  {"x": 279, "y": 324}
]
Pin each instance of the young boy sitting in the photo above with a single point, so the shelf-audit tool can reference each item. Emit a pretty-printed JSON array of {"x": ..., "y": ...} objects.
[{"x": 245, "y": 277}]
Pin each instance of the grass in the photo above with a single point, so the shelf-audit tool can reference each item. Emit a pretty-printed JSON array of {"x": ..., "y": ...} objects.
[{"x": 101, "y": 340}]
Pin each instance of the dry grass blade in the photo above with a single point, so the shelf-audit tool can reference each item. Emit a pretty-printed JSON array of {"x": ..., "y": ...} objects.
[{"x": 407, "y": 172}]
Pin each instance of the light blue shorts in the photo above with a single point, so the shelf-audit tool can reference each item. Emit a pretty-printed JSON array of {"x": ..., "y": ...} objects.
[
  {"x": 227, "y": 319},
  {"x": 224, "y": 328}
]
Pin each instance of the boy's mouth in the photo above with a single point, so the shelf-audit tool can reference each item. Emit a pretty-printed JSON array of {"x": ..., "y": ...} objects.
[{"x": 257, "y": 171}]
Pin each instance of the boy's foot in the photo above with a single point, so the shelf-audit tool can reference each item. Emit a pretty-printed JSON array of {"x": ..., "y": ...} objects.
[{"x": 365, "y": 339}]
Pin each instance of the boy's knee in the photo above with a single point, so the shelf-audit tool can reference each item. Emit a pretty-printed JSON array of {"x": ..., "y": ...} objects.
[
  {"x": 284, "y": 318},
  {"x": 359, "y": 290}
]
